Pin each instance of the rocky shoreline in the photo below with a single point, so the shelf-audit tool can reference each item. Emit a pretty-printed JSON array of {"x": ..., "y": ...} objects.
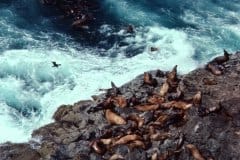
[{"x": 158, "y": 115}]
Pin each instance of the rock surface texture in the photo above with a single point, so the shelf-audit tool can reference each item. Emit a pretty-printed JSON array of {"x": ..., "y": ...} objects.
[
  {"x": 80, "y": 13},
  {"x": 156, "y": 116}
]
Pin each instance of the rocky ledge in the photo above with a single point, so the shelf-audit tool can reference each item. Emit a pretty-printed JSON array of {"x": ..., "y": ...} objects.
[
  {"x": 80, "y": 13},
  {"x": 157, "y": 116}
]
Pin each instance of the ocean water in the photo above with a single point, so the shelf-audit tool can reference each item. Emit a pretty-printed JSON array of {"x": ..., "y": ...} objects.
[{"x": 188, "y": 33}]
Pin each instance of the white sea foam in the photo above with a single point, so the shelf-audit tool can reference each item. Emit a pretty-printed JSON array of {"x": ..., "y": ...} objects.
[{"x": 130, "y": 11}]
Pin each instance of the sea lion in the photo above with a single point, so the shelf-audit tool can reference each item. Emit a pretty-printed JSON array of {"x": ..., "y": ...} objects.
[
  {"x": 166, "y": 155},
  {"x": 164, "y": 89},
  {"x": 176, "y": 95},
  {"x": 160, "y": 136},
  {"x": 137, "y": 144},
  {"x": 221, "y": 59},
  {"x": 208, "y": 81},
  {"x": 120, "y": 101},
  {"x": 214, "y": 69},
  {"x": 147, "y": 107},
  {"x": 159, "y": 73},
  {"x": 172, "y": 78},
  {"x": 133, "y": 101},
  {"x": 98, "y": 147},
  {"x": 55, "y": 64},
  {"x": 197, "y": 98},
  {"x": 237, "y": 133},
  {"x": 159, "y": 122},
  {"x": 81, "y": 22},
  {"x": 113, "y": 118},
  {"x": 154, "y": 156},
  {"x": 147, "y": 79},
  {"x": 113, "y": 91},
  {"x": 155, "y": 99},
  {"x": 151, "y": 130},
  {"x": 128, "y": 138},
  {"x": 152, "y": 49},
  {"x": 137, "y": 119},
  {"x": 177, "y": 104},
  {"x": 94, "y": 97},
  {"x": 107, "y": 141},
  {"x": 116, "y": 157},
  {"x": 180, "y": 141},
  {"x": 130, "y": 29},
  {"x": 195, "y": 152}
]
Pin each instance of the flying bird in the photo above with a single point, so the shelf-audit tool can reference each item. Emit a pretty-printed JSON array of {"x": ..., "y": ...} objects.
[{"x": 55, "y": 64}]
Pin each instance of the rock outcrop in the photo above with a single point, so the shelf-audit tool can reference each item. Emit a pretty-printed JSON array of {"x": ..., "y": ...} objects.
[
  {"x": 158, "y": 115},
  {"x": 79, "y": 12}
]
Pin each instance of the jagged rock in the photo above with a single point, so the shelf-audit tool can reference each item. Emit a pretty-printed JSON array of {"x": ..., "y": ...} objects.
[{"x": 9, "y": 151}]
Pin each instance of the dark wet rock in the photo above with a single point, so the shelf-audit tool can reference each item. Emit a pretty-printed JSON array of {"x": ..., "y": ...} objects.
[
  {"x": 8, "y": 151},
  {"x": 78, "y": 12},
  {"x": 212, "y": 126}
]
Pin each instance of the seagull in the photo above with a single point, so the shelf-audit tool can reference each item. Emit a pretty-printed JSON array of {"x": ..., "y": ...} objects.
[{"x": 55, "y": 64}]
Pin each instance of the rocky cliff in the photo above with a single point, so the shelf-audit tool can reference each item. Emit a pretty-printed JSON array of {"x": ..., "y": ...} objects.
[{"x": 158, "y": 115}]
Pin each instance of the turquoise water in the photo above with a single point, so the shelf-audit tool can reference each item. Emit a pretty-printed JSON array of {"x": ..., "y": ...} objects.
[{"x": 187, "y": 33}]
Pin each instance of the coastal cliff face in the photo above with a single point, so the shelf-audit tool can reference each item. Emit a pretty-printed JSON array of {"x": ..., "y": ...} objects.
[{"x": 140, "y": 121}]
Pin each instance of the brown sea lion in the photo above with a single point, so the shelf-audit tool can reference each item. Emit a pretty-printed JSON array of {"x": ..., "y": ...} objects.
[
  {"x": 137, "y": 144},
  {"x": 237, "y": 133},
  {"x": 147, "y": 107},
  {"x": 208, "y": 81},
  {"x": 107, "y": 141},
  {"x": 176, "y": 95},
  {"x": 128, "y": 138},
  {"x": 161, "y": 119},
  {"x": 221, "y": 59},
  {"x": 79, "y": 23},
  {"x": 116, "y": 157},
  {"x": 214, "y": 69},
  {"x": 98, "y": 147},
  {"x": 160, "y": 136},
  {"x": 166, "y": 155},
  {"x": 164, "y": 89},
  {"x": 154, "y": 156},
  {"x": 113, "y": 118},
  {"x": 177, "y": 104},
  {"x": 147, "y": 79},
  {"x": 156, "y": 99},
  {"x": 172, "y": 78},
  {"x": 120, "y": 101},
  {"x": 137, "y": 119},
  {"x": 195, "y": 152},
  {"x": 197, "y": 98}
]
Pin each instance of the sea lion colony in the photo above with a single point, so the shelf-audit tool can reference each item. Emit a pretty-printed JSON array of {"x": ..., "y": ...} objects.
[{"x": 141, "y": 122}]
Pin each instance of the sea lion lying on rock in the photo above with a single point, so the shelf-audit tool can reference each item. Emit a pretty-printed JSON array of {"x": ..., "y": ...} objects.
[{"x": 215, "y": 65}]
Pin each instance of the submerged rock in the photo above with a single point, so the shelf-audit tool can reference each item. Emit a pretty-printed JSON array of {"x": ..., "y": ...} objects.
[{"x": 181, "y": 128}]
